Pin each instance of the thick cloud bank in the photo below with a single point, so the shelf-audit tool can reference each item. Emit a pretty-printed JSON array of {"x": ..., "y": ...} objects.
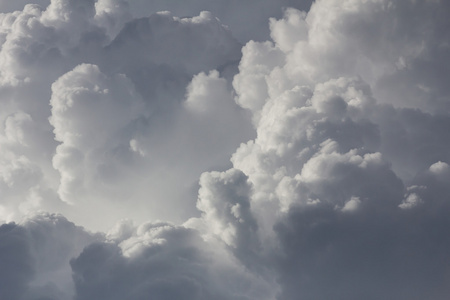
[
  {"x": 136, "y": 108},
  {"x": 337, "y": 126}
]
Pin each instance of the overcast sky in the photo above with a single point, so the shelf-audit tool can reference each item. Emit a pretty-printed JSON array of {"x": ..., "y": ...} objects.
[{"x": 217, "y": 149}]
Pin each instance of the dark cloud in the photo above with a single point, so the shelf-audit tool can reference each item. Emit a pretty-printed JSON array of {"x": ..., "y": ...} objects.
[
  {"x": 162, "y": 261},
  {"x": 17, "y": 269},
  {"x": 327, "y": 254},
  {"x": 35, "y": 257},
  {"x": 240, "y": 17}
]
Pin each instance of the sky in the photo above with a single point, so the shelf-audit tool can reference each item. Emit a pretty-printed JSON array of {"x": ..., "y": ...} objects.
[{"x": 213, "y": 149}]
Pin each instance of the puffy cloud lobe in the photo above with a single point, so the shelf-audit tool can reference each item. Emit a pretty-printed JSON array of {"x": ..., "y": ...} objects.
[
  {"x": 88, "y": 112},
  {"x": 280, "y": 80},
  {"x": 257, "y": 62},
  {"x": 32, "y": 57},
  {"x": 226, "y": 213},
  {"x": 163, "y": 261},
  {"x": 15, "y": 127},
  {"x": 355, "y": 252},
  {"x": 86, "y": 91},
  {"x": 199, "y": 93},
  {"x": 25, "y": 41},
  {"x": 336, "y": 178},
  {"x": 22, "y": 180},
  {"x": 157, "y": 259},
  {"x": 373, "y": 39},
  {"x": 440, "y": 169},
  {"x": 57, "y": 39},
  {"x": 300, "y": 126},
  {"x": 20, "y": 173},
  {"x": 411, "y": 201},
  {"x": 112, "y": 15},
  {"x": 69, "y": 10}
]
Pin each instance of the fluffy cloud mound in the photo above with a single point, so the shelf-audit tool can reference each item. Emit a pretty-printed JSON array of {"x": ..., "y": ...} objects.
[
  {"x": 157, "y": 259},
  {"x": 119, "y": 125},
  {"x": 340, "y": 180},
  {"x": 108, "y": 106},
  {"x": 164, "y": 261},
  {"x": 34, "y": 256},
  {"x": 337, "y": 127}
]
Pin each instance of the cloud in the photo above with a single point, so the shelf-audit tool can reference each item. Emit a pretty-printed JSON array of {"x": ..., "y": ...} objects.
[
  {"x": 335, "y": 189},
  {"x": 160, "y": 259},
  {"x": 335, "y": 119},
  {"x": 8, "y": 6},
  {"x": 35, "y": 257},
  {"x": 72, "y": 52},
  {"x": 239, "y": 16},
  {"x": 15, "y": 259},
  {"x": 88, "y": 111},
  {"x": 164, "y": 261}
]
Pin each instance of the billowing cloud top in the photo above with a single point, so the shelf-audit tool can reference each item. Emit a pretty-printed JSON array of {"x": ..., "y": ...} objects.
[{"x": 162, "y": 150}]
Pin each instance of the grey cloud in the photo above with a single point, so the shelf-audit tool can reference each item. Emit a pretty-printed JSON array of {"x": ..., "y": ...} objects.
[
  {"x": 159, "y": 54},
  {"x": 48, "y": 257},
  {"x": 10, "y": 6},
  {"x": 328, "y": 254},
  {"x": 399, "y": 253},
  {"x": 108, "y": 106},
  {"x": 17, "y": 270},
  {"x": 340, "y": 192},
  {"x": 248, "y": 20},
  {"x": 353, "y": 185},
  {"x": 35, "y": 257},
  {"x": 162, "y": 261},
  {"x": 226, "y": 213},
  {"x": 413, "y": 139},
  {"x": 153, "y": 39}
]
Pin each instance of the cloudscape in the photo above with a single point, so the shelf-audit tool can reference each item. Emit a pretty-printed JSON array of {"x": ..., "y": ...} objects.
[{"x": 217, "y": 149}]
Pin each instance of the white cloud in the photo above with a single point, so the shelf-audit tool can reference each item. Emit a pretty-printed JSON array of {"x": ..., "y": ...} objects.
[
  {"x": 351, "y": 205},
  {"x": 440, "y": 169},
  {"x": 411, "y": 201},
  {"x": 89, "y": 111},
  {"x": 338, "y": 124}
]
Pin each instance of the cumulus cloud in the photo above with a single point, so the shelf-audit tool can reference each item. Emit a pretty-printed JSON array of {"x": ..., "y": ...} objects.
[
  {"x": 306, "y": 158},
  {"x": 107, "y": 106},
  {"x": 166, "y": 262},
  {"x": 35, "y": 256},
  {"x": 91, "y": 59},
  {"x": 48, "y": 257},
  {"x": 340, "y": 175}
]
